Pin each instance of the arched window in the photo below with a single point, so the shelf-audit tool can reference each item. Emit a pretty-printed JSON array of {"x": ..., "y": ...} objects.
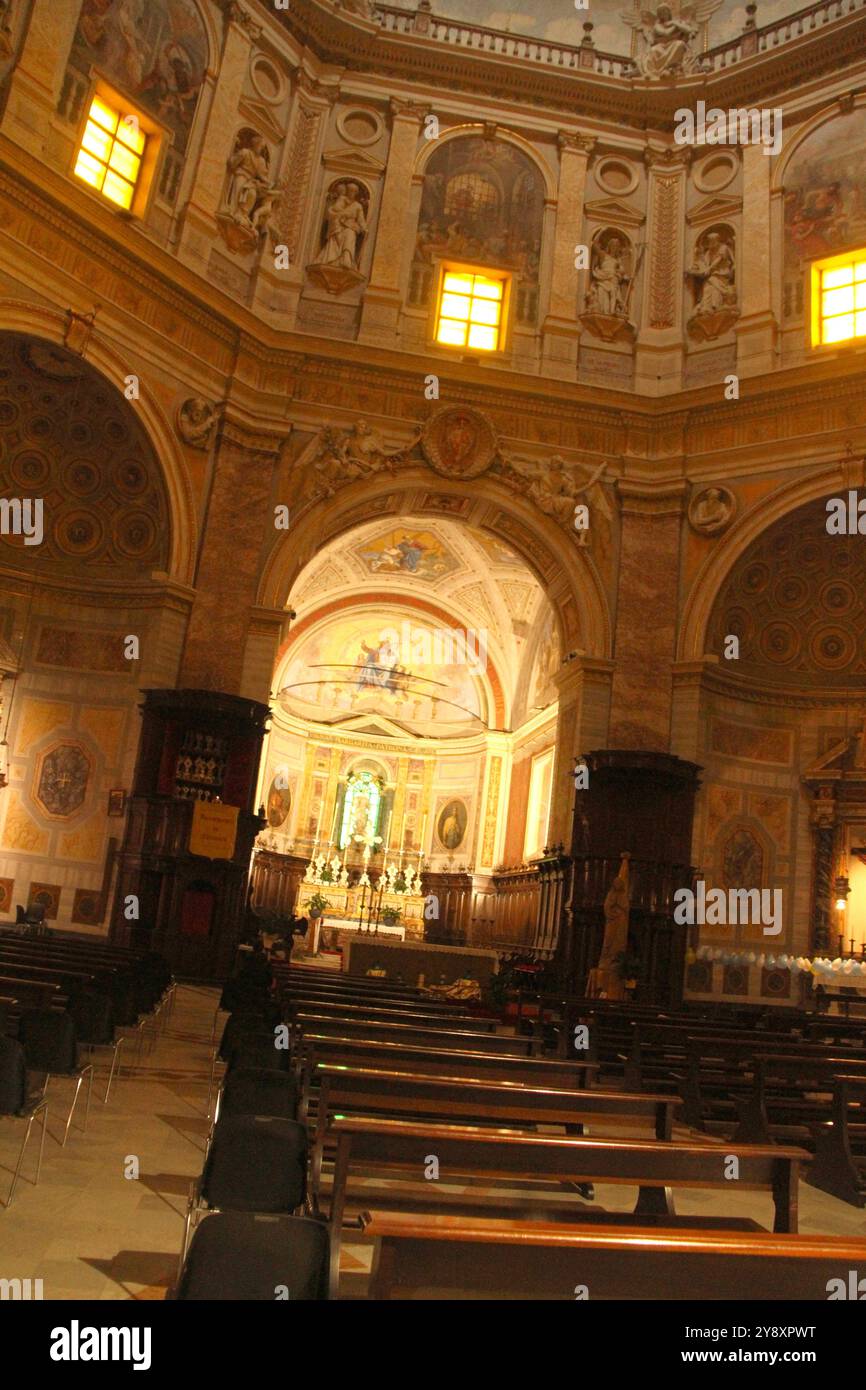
[{"x": 361, "y": 810}]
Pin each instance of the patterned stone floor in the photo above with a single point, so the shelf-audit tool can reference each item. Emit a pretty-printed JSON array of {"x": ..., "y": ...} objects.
[{"x": 90, "y": 1232}]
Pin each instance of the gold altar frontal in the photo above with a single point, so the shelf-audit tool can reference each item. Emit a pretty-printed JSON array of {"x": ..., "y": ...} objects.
[{"x": 351, "y": 906}]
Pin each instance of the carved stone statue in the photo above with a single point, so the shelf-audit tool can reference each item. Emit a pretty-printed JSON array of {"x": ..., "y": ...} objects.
[
  {"x": 713, "y": 277},
  {"x": 552, "y": 485},
  {"x": 336, "y": 266},
  {"x": 712, "y": 510},
  {"x": 250, "y": 194},
  {"x": 669, "y": 37},
  {"x": 612, "y": 276},
  {"x": 343, "y": 456},
  {"x": 606, "y": 980},
  {"x": 196, "y": 421}
]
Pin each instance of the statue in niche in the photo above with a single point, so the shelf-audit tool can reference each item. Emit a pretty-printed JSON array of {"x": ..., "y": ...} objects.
[
  {"x": 712, "y": 511},
  {"x": 713, "y": 277},
  {"x": 250, "y": 195},
  {"x": 344, "y": 230},
  {"x": 668, "y": 38},
  {"x": 612, "y": 275},
  {"x": 196, "y": 422}
]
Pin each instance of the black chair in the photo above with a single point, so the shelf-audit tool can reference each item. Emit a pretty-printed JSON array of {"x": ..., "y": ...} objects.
[
  {"x": 243, "y": 1023},
  {"x": 17, "y": 1104},
  {"x": 258, "y": 1091},
  {"x": 254, "y": 1163},
  {"x": 93, "y": 1015},
  {"x": 244, "y": 1256},
  {"x": 51, "y": 1046}
]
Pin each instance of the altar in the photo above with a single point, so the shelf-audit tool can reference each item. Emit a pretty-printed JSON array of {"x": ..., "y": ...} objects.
[{"x": 391, "y": 906}]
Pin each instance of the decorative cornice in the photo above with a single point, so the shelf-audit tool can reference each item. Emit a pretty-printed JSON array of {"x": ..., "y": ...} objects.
[{"x": 239, "y": 15}]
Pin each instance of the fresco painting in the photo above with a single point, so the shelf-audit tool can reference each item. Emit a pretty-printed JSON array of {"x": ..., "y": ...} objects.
[
  {"x": 825, "y": 191},
  {"x": 400, "y": 551}
]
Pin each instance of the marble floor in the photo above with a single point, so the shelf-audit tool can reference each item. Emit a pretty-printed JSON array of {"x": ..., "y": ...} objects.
[{"x": 88, "y": 1231}]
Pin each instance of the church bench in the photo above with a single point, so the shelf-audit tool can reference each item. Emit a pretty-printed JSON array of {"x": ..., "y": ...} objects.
[
  {"x": 398, "y": 1150},
  {"x": 31, "y": 993},
  {"x": 655, "y": 1052},
  {"x": 411, "y": 1033},
  {"x": 459, "y": 1022},
  {"x": 717, "y": 1069},
  {"x": 776, "y": 1101},
  {"x": 444, "y": 1255},
  {"x": 434, "y": 1061},
  {"x": 400, "y": 1092},
  {"x": 835, "y": 1168},
  {"x": 359, "y": 1001}
]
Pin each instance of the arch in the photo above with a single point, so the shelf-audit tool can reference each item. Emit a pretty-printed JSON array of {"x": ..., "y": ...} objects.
[
  {"x": 567, "y": 575},
  {"x": 803, "y": 133},
  {"x": 725, "y": 554},
  {"x": 36, "y": 321},
  {"x": 509, "y": 137}
]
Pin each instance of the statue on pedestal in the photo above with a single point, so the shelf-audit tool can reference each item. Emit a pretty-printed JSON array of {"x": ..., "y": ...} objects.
[{"x": 605, "y": 981}]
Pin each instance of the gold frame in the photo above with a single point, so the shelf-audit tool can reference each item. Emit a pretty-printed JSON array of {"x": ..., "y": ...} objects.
[{"x": 449, "y": 267}]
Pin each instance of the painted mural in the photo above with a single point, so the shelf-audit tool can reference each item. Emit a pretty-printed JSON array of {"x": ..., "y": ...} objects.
[
  {"x": 825, "y": 191},
  {"x": 62, "y": 776},
  {"x": 279, "y": 803},
  {"x": 392, "y": 666},
  {"x": 154, "y": 50},
  {"x": 418, "y": 553},
  {"x": 483, "y": 202}
]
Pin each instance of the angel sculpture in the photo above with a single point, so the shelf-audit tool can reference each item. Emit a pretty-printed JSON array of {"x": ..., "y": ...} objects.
[{"x": 668, "y": 37}]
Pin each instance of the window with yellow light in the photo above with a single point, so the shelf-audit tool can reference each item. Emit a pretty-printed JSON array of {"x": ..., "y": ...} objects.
[
  {"x": 471, "y": 310},
  {"x": 111, "y": 152},
  {"x": 839, "y": 299}
]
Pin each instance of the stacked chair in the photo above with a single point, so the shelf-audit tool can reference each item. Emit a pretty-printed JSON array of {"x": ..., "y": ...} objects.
[{"x": 249, "y": 1233}]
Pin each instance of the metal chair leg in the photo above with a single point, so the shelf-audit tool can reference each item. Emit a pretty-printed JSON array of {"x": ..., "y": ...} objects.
[
  {"x": 88, "y": 1072},
  {"x": 117, "y": 1046},
  {"x": 43, "y": 1107}
]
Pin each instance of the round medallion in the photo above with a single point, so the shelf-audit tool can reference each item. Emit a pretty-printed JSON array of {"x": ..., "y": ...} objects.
[
  {"x": 780, "y": 643},
  {"x": 134, "y": 534},
  {"x": 832, "y": 647},
  {"x": 459, "y": 442},
  {"x": 79, "y": 532},
  {"x": 81, "y": 477}
]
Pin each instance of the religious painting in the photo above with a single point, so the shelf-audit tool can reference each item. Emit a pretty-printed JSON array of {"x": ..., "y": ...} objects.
[
  {"x": 279, "y": 803},
  {"x": 45, "y": 895},
  {"x": 483, "y": 202},
  {"x": 154, "y": 50},
  {"x": 824, "y": 199},
  {"x": 7, "y": 886},
  {"x": 408, "y": 552},
  {"x": 87, "y": 907},
  {"x": 62, "y": 775},
  {"x": 407, "y": 670},
  {"x": 451, "y": 825},
  {"x": 742, "y": 860}
]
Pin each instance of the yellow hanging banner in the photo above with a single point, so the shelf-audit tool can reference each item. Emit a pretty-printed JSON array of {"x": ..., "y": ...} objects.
[{"x": 214, "y": 830}]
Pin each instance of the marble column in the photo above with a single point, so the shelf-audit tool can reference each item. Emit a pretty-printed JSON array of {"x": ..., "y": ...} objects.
[
  {"x": 37, "y": 79},
  {"x": 380, "y": 313},
  {"x": 646, "y": 616},
  {"x": 561, "y": 328},
  {"x": 756, "y": 328},
  {"x": 199, "y": 218},
  {"x": 240, "y": 523},
  {"x": 659, "y": 355}
]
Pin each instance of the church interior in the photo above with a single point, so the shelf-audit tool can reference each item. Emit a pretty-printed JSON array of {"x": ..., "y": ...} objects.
[{"x": 432, "y": 651}]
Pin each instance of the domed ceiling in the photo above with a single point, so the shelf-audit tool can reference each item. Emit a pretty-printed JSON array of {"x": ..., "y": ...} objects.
[
  {"x": 69, "y": 438},
  {"x": 374, "y": 610},
  {"x": 796, "y": 602}
]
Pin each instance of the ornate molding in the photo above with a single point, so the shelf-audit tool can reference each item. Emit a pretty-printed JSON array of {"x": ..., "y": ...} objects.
[{"x": 239, "y": 15}]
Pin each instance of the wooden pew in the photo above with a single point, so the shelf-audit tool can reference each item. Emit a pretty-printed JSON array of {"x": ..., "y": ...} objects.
[
  {"x": 416, "y": 1257},
  {"x": 436, "y": 1060},
  {"x": 409, "y": 1032},
  {"x": 332, "y": 999},
  {"x": 835, "y": 1168},
  {"x": 397, "y": 1149},
  {"x": 366, "y": 1090}
]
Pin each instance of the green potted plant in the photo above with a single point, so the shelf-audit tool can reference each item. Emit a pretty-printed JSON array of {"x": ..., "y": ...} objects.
[
  {"x": 317, "y": 904},
  {"x": 391, "y": 915}
]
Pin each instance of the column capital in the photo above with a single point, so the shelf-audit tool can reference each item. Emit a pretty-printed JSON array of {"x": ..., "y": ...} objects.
[
  {"x": 577, "y": 144},
  {"x": 258, "y": 445},
  {"x": 402, "y": 109},
  {"x": 669, "y": 159},
  {"x": 239, "y": 15}
]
